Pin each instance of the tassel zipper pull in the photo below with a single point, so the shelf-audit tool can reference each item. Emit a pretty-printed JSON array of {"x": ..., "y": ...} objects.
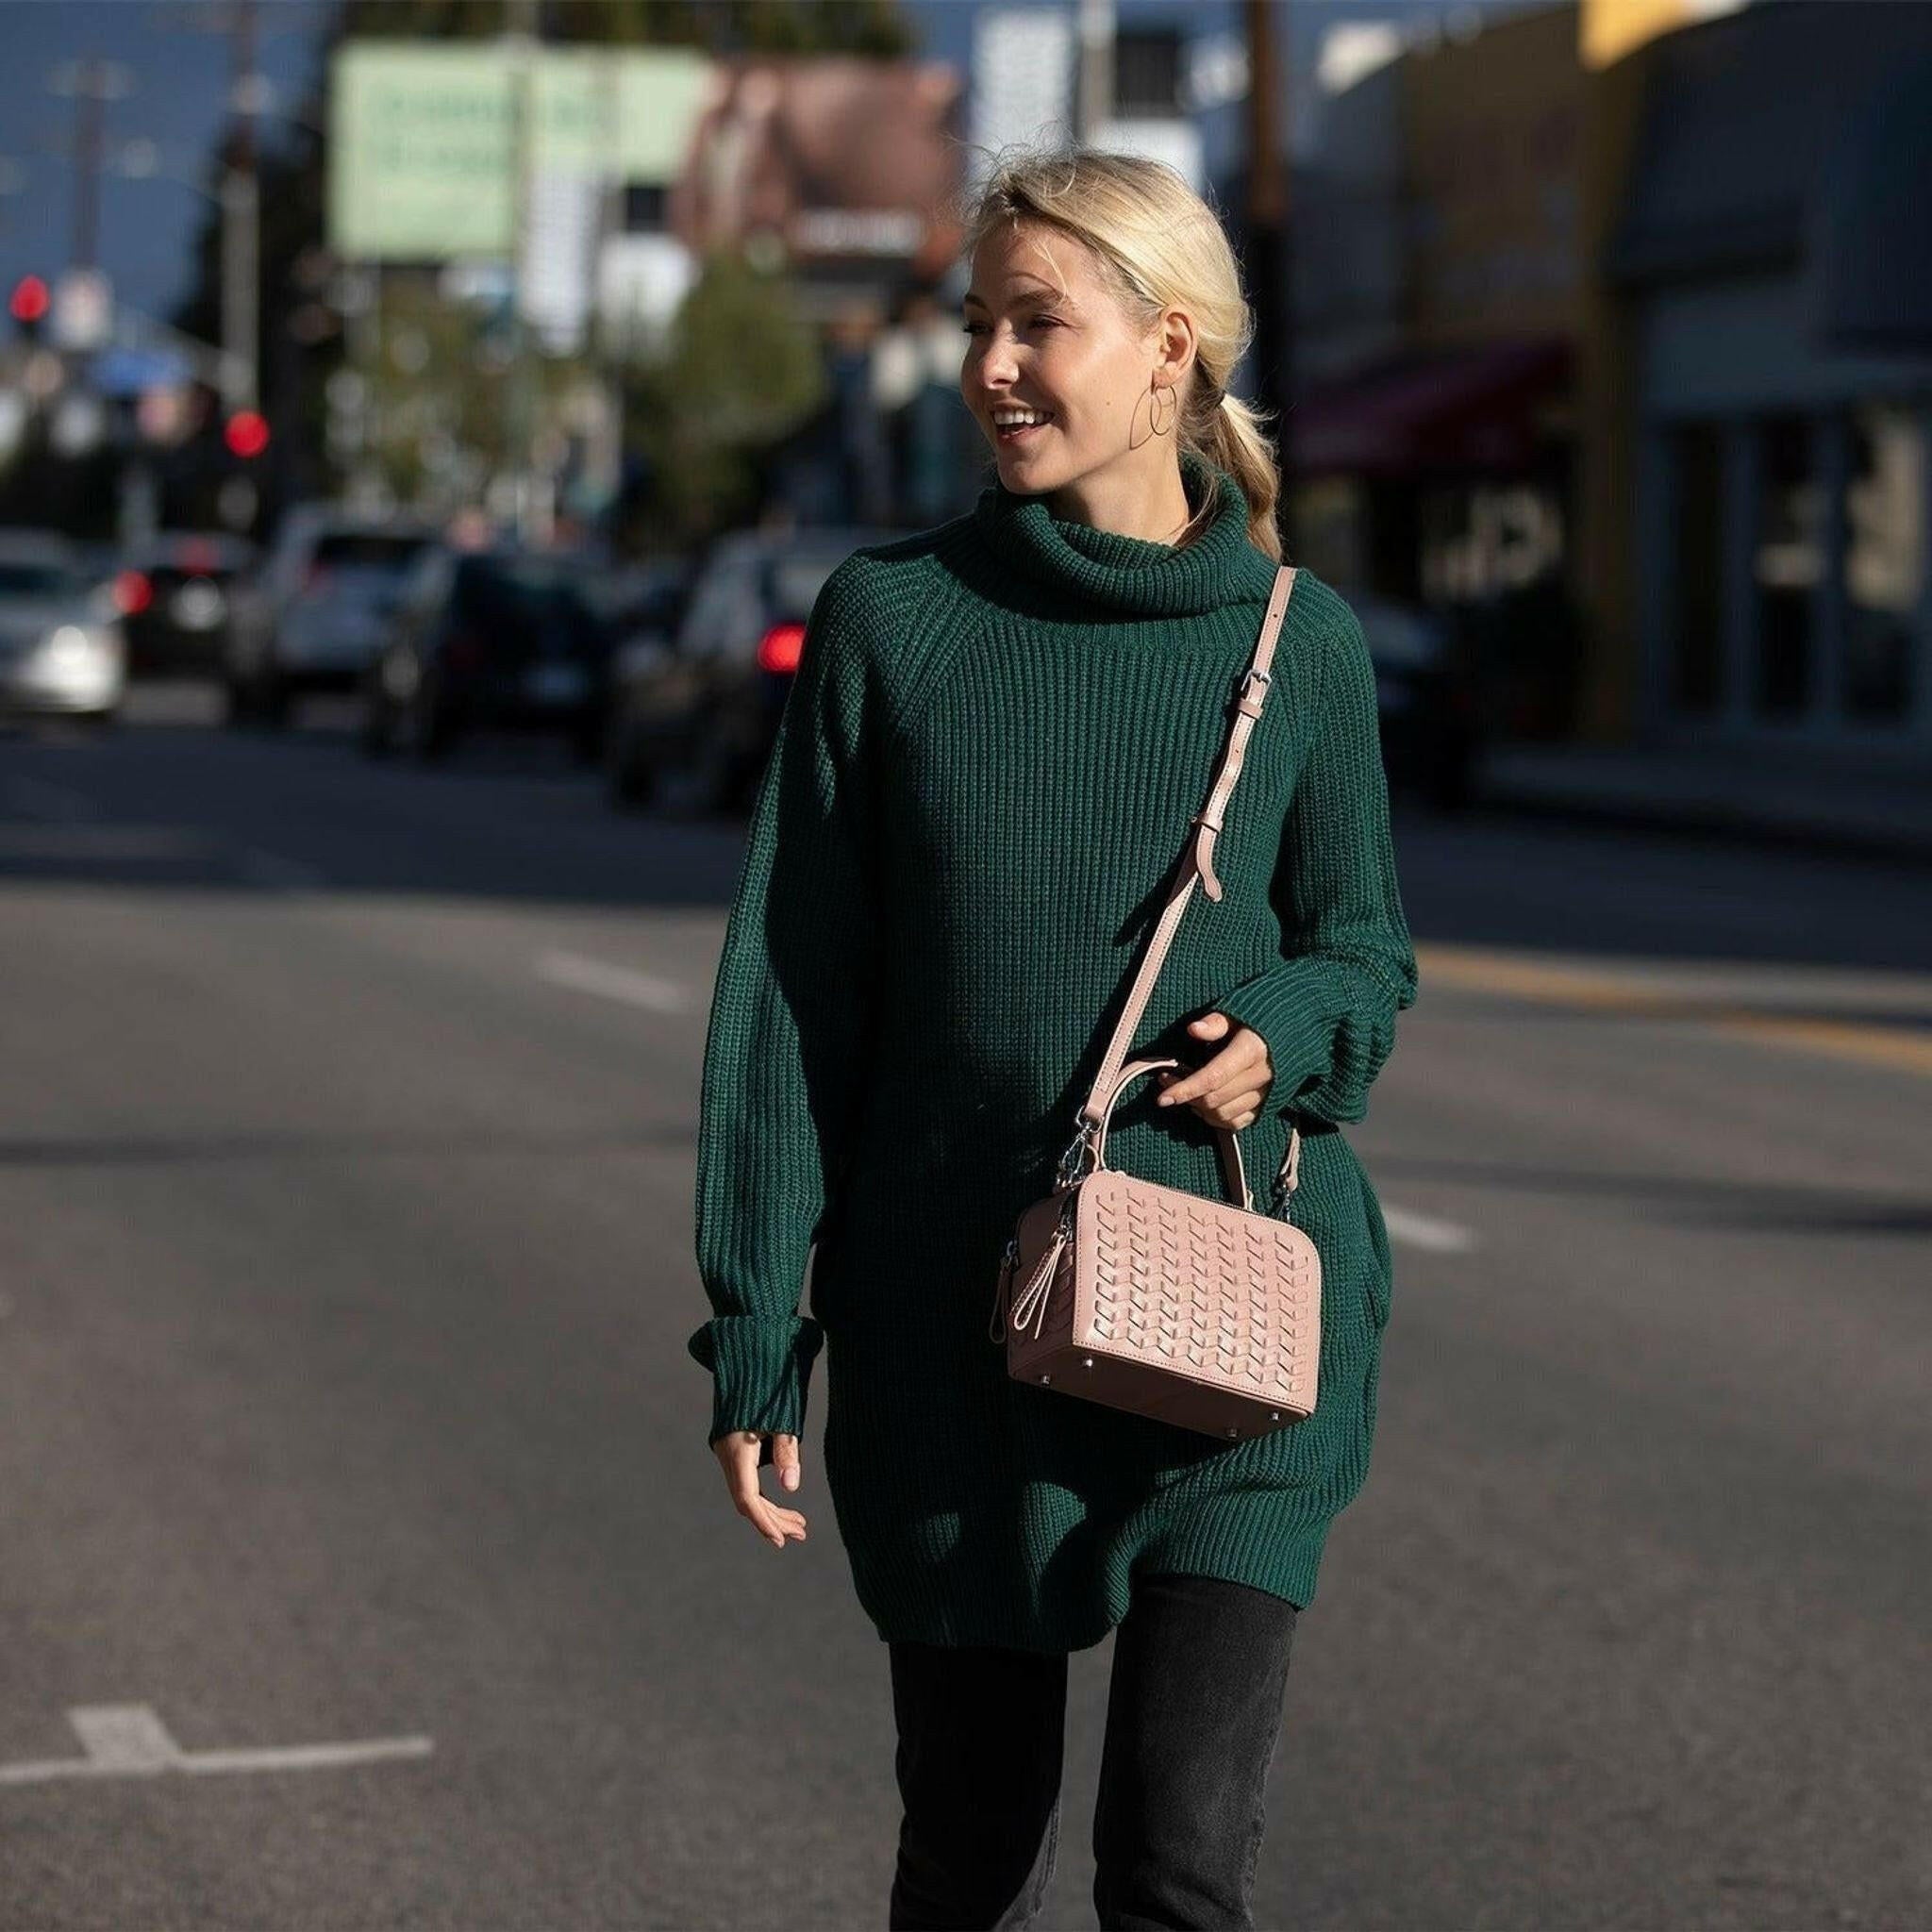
[{"x": 1030, "y": 1305}]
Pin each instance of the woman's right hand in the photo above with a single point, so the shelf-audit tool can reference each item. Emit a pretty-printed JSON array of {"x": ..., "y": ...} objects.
[{"x": 738, "y": 1455}]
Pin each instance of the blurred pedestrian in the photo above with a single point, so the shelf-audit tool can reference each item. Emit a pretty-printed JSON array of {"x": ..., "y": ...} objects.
[{"x": 998, "y": 734}]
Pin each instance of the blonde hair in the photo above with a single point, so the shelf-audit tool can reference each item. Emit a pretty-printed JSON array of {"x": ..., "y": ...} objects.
[{"x": 1162, "y": 246}]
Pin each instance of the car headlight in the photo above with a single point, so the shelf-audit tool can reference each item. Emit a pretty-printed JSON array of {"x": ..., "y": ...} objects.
[
  {"x": 70, "y": 647},
  {"x": 77, "y": 657}
]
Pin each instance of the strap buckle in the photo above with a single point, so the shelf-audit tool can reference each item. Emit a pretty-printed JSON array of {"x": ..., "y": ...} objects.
[{"x": 1246, "y": 702}]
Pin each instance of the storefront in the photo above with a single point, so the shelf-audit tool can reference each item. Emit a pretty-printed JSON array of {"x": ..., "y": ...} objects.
[{"x": 1783, "y": 515}]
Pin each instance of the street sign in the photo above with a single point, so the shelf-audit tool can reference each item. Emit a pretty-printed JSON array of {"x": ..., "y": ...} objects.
[{"x": 83, "y": 312}]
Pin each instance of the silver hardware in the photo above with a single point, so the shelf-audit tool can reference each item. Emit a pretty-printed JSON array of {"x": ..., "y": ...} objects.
[
  {"x": 1075, "y": 1158},
  {"x": 1046, "y": 1378},
  {"x": 1274, "y": 1415},
  {"x": 1087, "y": 1363},
  {"x": 1288, "y": 1176},
  {"x": 1234, "y": 1432}
]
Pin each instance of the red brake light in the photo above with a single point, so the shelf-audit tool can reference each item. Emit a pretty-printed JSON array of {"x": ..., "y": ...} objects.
[
  {"x": 780, "y": 648},
  {"x": 133, "y": 593},
  {"x": 246, "y": 433}
]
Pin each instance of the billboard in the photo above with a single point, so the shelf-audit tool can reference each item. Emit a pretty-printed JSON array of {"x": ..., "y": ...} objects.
[
  {"x": 826, "y": 159},
  {"x": 422, "y": 137}
]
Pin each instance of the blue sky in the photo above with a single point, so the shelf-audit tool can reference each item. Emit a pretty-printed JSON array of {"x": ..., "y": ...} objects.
[{"x": 180, "y": 82}]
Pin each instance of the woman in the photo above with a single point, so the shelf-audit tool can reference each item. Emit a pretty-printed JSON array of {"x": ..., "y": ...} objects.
[{"x": 998, "y": 734}]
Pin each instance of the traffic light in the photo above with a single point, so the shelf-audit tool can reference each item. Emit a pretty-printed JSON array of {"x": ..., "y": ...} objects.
[
  {"x": 246, "y": 433},
  {"x": 29, "y": 305}
]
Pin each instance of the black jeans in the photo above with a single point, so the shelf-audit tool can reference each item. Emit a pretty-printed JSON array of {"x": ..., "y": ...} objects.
[{"x": 1193, "y": 1716}]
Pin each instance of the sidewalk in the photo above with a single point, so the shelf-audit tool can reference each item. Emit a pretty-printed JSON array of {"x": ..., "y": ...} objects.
[{"x": 1843, "y": 806}]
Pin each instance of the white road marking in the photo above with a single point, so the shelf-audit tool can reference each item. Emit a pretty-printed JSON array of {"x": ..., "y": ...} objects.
[
  {"x": 130, "y": 1740},
  {"x": 279, "y": 875},
  {"x": 612, "y": 982},
  {"x": 123, "y": 1737},
  {"x": 1426, "y": 1231},
  {"x": 37, "y": 799}
]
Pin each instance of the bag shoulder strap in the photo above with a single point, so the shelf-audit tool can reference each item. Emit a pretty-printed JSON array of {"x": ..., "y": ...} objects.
[{"x": 1197, "y": 860}]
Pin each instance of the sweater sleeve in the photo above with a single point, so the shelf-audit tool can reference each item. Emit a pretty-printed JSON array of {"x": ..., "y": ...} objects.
[
  {"x": 1327, "y": 1006},
  {"x": 783, "y": 1056}
]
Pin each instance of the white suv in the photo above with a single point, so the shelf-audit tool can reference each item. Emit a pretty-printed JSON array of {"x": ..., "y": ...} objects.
[{"x": 315, "y": 615}]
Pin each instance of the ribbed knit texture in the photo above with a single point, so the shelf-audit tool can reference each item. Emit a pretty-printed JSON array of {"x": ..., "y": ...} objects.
[{"x": 995, "y": 741}]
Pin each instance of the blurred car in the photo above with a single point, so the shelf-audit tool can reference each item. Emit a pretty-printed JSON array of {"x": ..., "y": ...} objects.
[
  {"x": 62, "y": 651},
  {"x": 314, "y": 616},
  {"x": 695, "y": 713},
  {"x": 489, "y": 638},
  {"x": 636, "y": 599},
  {"x": 1426, "y": 698},
  {"x": 173, "y": 593}
]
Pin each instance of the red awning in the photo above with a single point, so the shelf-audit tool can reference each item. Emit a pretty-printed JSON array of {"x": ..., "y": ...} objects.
[{"x": 1459, "y": 410}]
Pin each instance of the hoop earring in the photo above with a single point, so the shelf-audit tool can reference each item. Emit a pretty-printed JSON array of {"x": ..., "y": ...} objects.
[{"x": 1174, "y": 409}]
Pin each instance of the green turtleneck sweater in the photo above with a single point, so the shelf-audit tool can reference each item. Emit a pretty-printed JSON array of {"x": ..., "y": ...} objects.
[{"x": 997, "y": 736}]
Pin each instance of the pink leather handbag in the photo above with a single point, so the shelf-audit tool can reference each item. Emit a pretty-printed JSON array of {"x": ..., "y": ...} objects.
[{"x": 1150, "y": 1298}]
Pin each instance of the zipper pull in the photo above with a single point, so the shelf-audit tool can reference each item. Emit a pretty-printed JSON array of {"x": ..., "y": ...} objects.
[
  {"x": 1031, "y": 1306},
  {"x": 996, "y": 1321},
  {"x": 1287, "y": 1174}
]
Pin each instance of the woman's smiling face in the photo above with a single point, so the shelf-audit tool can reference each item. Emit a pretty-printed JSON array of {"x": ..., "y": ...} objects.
[{"x": 1055, "y": 368}]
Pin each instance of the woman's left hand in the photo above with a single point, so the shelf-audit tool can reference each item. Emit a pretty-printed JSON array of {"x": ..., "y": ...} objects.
[{"x": 1229, "y": 1089}]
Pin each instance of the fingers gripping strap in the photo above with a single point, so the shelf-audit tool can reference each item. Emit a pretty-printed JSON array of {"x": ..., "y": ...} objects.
[{"x": 1197, "y": 860}]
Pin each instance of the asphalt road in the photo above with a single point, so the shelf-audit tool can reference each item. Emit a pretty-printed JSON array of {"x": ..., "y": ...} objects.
[{"x": 345, "y": 1163}]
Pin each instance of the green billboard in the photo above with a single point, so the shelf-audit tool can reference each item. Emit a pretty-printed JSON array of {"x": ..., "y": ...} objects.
[{"x": 423, "y": 136}]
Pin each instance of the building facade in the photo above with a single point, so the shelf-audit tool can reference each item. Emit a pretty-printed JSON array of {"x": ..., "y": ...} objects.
[{"x": 1780, "y": 386}]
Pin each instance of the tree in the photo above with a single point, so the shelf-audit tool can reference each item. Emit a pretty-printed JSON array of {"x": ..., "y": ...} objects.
[{"x": 742, "y": 369}]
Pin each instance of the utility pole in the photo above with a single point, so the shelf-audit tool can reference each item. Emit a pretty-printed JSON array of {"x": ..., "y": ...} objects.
[
  {"x": 521, "y": 42},
  {"x": 1269, "y": 256},
  {"x": 87, "y": 168},
  {"x": 1094, "y": 83},
  {"x": 242, "y": 225},
  {"x": 92, "y": 83}
]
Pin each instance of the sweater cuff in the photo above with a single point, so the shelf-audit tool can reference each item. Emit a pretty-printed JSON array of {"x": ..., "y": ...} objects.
[
  {"x": 760, "y": 1366},
  {"x": 1286, "y": 1007}
]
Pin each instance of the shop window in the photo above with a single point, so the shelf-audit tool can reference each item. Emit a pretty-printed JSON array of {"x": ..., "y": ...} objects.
[
  {"x": 1786, "y": 564},
  {"x": 1884, "y": 558},
  {"x": 646, "y": 208},
  {"x": 1697, "y": 602},
  {"x": 1147, "y": 71}
]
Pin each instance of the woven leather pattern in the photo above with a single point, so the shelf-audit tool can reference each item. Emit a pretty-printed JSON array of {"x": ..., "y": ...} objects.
[
  {"x": 1198, "y": 1283},
  {"x": 1175, "y": 1305}
]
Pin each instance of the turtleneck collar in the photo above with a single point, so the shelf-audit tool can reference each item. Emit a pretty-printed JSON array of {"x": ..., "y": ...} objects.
[{"x": 1128, "y": 575}]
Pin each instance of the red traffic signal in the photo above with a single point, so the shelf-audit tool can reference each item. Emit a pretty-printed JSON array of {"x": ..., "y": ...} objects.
[
  {"x": 30, "y": 301},
  {"x": 246, "y": 433}
]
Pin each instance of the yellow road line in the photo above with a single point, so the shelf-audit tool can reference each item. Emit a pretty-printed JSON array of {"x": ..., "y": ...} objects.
[{"x": 1476, "y": 969}]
